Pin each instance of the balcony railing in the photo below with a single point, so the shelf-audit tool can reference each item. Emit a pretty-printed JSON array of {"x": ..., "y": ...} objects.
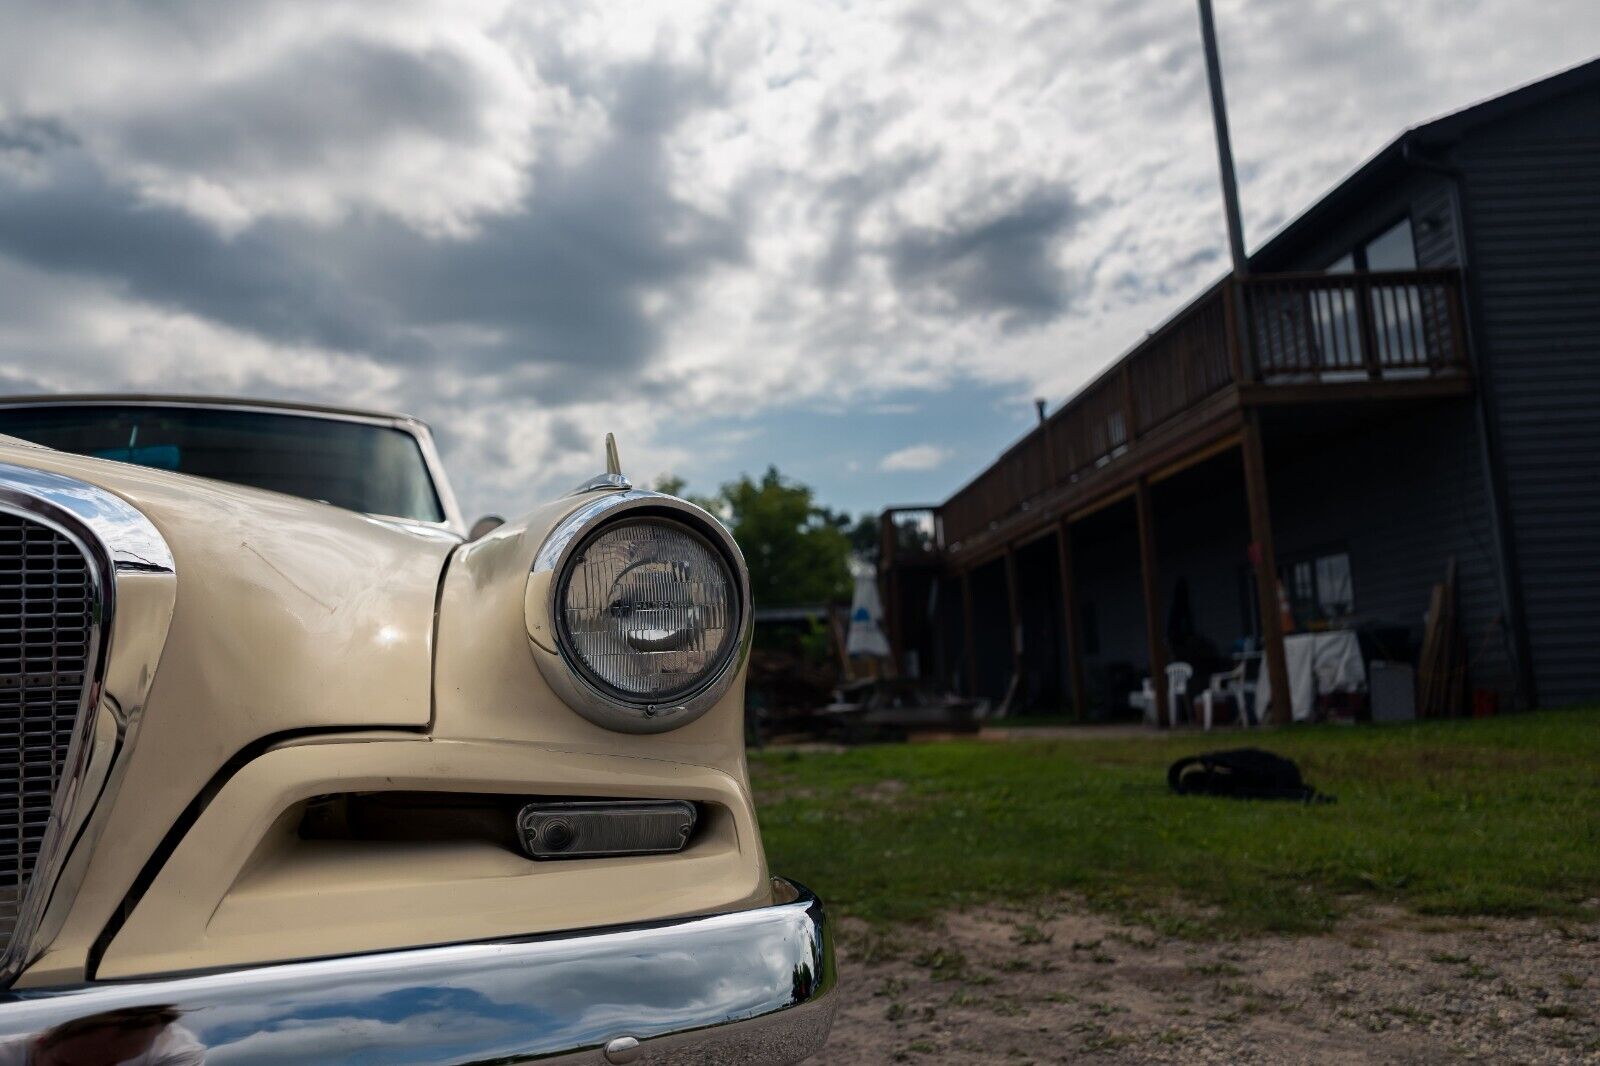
[
  {"x": 1300, "y": 328},
  {"x": 1350, "y": 326}
]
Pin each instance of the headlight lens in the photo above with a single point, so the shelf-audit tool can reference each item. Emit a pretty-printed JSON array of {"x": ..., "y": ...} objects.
[{"x": 648, "y": 609}]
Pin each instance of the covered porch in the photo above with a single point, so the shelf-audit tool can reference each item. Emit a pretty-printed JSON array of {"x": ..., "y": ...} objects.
[{"x": 1140, "y": 522}]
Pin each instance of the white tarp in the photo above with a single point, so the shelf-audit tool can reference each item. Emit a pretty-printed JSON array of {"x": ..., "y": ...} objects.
[
  {"x": 1317, "y": 663},
  {"x": 866, "y": 615}
]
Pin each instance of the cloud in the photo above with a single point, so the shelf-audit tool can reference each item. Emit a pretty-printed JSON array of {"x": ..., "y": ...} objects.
[
  {"x": 915, "y": 457},
  {"x": 1002, "y": 263},
  {"x": 338, "y": 126},
  {"x": 268, "y": 110},
  {"x": 531, "y": 224}
]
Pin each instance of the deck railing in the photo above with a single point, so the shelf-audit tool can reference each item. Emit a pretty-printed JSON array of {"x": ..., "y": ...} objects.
[
  {"x": 1350, "y": 326},
  {"x": 1306, "y": 328}
]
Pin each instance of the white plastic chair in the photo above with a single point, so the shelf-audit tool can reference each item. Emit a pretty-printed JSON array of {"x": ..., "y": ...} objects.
[
  {"x": 1233, "y": 684},
  {"x": 1178, "y": 677},
  {"x": 1144, "y": 701}
]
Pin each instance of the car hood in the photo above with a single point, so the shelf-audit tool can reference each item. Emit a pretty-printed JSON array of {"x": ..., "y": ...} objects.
[
  {"x": 287, "y": 617},
  {"x": 266, "y": 579},
  {"x": 289, "y": 614}
]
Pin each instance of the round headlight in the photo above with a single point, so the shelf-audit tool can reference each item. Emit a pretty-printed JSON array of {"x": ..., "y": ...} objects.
[
  {"x": 639, "y": 611},
  {"x": 648, "y": 609}
]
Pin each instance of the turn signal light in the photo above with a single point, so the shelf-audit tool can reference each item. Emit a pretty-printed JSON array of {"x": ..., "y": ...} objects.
[{"x": 591, "y": 829}]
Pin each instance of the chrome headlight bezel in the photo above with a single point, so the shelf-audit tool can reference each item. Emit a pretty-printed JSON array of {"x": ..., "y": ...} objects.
[{"x": 557, "y": 660}]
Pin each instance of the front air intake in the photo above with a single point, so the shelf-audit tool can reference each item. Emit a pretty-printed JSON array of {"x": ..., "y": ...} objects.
[{"x": 47, "y": 611}]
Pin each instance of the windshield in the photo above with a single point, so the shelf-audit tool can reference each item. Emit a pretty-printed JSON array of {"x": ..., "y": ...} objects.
[{"x": 357, "y": 465}]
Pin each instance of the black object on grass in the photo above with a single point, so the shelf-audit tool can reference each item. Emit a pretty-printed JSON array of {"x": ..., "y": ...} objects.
[{"x": 1243, "y": 773}]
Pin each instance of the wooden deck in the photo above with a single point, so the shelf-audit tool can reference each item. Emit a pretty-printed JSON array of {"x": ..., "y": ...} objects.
[{"x": 1181, "y": 394}]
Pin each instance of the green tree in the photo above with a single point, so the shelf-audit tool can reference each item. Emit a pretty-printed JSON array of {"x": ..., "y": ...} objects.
[{"x": 796, "y": 550}]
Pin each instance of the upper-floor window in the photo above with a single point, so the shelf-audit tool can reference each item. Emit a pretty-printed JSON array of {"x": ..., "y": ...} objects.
[
  {"x": 1395, "y": 313},
  {"x": 1393, "y": 249}
]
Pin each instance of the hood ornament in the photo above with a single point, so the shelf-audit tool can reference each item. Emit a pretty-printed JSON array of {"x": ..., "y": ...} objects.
[{"x": 613, "y": 478}]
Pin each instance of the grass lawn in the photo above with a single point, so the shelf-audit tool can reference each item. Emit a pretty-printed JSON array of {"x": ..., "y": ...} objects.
[{"x": 1499, "y": 816}]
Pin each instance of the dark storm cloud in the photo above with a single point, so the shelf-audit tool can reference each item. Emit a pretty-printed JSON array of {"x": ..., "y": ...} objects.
[
  {"x": 565, "y": 279},
  {"x": 1003, "y": 264},
  {"x": 33, "y": 136},
  {"x": 845, "y": 200},
  {"x": 338, "y": 94},
  {"x": 552, "y": 296},
  {"x": 78, "y": 223}
]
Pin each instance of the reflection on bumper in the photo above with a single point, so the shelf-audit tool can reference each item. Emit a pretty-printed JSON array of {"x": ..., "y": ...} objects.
[{"x": 751, "y": 987}]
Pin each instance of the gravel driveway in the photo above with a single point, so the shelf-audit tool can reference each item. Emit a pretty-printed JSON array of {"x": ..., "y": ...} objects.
[{"x": 1030, "y": 986}]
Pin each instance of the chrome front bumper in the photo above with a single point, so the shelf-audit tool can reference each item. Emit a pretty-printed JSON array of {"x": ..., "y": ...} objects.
[{"x": 750, "y": 987}]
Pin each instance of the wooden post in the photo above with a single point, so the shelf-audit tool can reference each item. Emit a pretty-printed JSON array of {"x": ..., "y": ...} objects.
[
  {"x": 1070, "y": 619},
  {"x": 1232, "y": 296},
  {"x": 1152, "y": 599},
  {"x": 888, "y": 588},
  {"x": 1014, "y": 615},
  {"x": 1458, "y": 328},
  {"x": 1365, "y": 327},
  {"x": 969, "y": 650},
  {"x": 1266, "y": 566}
]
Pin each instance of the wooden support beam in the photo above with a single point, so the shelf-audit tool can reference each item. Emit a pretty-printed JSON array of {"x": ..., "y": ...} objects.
[
  {"x": 889, "y": 589},
  {"x": 1152, "y": 599},
  {"x": 1070, "y": 619},
  {"x": 1014, "y": 616},
  {"x": 1366, "y": 329},
  {"x": 969, "y": 650},
  {"x": 1264, "y": 556}
]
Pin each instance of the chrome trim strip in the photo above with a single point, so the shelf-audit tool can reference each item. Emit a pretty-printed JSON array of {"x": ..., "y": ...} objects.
[
  {"x": 209, "y": 403},
  {"x": 754, "y": 986},
  {"x": 564, "y": 675},
  {"x": 121, "y": 545},
  {"x": 453, "y": 519},
  {"x": 124, "y": 534}
]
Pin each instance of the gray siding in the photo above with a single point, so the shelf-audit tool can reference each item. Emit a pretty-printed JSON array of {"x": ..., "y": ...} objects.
[
  {"x": 1532, "y": 205},
  {"x": 1404, "y": 495},
  {"x": 1401, "y": 491}
]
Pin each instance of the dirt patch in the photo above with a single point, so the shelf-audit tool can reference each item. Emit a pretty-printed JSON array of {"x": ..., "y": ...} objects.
[{"x": 1021, "y": 986}]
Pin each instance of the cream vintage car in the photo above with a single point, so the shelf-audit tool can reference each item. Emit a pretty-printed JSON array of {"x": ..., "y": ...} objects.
[{"x": 293, "y": 771}]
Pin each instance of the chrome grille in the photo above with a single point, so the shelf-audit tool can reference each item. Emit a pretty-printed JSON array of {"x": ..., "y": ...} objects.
[{"x": 46, "y": 624}]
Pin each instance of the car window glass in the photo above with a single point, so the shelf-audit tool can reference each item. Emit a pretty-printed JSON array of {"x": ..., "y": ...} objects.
[{"x": 361, "y": 466}]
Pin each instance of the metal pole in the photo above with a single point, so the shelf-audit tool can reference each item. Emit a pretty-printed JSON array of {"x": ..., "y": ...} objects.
[{"x": 1219, "y": 118}]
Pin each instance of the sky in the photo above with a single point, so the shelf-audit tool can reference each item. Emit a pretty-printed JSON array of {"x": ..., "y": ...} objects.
[{"x": 853, "y": 240}]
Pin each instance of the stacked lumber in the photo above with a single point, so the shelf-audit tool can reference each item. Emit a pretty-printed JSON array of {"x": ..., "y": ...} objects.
[{"x": 1442, "y": 666}]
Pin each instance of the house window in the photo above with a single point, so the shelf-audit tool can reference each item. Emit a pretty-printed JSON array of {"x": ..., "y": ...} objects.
[
  {"x": 1393, "y": 249},
  {"x": 1335, "y": 592},
  {"x": 1395, "y": 313},
  {"x": 1319, "y": 588}
]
